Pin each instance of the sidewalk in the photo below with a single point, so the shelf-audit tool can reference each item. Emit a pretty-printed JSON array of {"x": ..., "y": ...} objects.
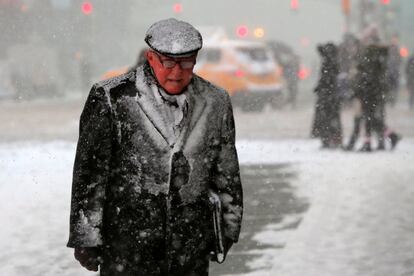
[{"x": 360, "y": 221}]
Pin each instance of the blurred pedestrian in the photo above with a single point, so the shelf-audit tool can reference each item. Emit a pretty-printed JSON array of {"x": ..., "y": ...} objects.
[
  {"x": 409, "y": 71},
  {"x": 393, "y": 72},
  {"x": 290, "y": 72},
  {"x": 154, "y": 144},
  {"x": 348, "y": 51},
  {"x": 370, "y": 88},
  {"x": 290, "y": 63},
  {"x": 327, "y": 122}
]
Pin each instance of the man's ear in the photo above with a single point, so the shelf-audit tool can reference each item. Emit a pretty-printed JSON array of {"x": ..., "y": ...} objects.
[{"x": 150, "y": 58}]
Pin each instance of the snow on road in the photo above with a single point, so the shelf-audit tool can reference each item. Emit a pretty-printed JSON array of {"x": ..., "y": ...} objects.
[{"x": 360, "y": 221}]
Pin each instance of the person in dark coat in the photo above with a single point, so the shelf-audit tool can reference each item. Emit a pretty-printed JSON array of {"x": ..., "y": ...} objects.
[
  {"x": 370, "y": 88},
  {"x": 409, "y": 71},
  {"x": 290, "y": 72},
  {"x": 347, "y": 56},
  {"x": 290, "y": 63},
  {"x": 153, "y": 144},
  {"x": 327, "y": 123}
]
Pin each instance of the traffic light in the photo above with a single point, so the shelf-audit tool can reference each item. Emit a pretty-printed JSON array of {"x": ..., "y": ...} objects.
[
  {"x": 242, "y": 31},
  {"x": 294, "y": 4},
  {"x": 87, "y": 8},
  {"x": 404, "y": 52},
  {"x": 178, "y": 8},
  {"x": 346, "y": 6},
  {"x": 259, "y": 32},
  {"x": 303, "y": 72},
  {"x": 385, "y": 2}
]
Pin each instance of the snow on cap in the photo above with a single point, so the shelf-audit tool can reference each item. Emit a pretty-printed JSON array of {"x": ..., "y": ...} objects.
[{"x": 175, "y": 38}]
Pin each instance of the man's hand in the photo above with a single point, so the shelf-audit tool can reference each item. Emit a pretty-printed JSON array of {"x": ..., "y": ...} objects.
[{"x": 87, "y": 257}]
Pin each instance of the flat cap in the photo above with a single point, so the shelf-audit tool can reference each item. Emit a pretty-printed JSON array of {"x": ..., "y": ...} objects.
[{"x": 172, "y": 37}]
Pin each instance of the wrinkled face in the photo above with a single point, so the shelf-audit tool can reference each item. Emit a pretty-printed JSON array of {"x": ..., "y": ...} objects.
[{"x": 173, "y": 74}]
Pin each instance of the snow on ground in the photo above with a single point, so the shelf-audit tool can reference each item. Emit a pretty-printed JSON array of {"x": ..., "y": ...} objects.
[
  {"x": 360, "y": 221},
  {"x": 361, "y": 217}
]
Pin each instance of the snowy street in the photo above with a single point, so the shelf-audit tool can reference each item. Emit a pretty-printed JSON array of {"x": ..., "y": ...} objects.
[
  {"x": 307, "y": 211},
  {"x": 359, "y": 221},
  {"x": 287, "y": 126}
]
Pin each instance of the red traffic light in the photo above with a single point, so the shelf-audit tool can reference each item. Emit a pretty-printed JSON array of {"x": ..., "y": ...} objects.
[
  {"x": 303, "y": 72},
  {"x": 346, "y": 6},
  {"x": 385, "y": 2},
  {"x": 404, "y": 52},
  {"x": 178, "y": 8},
  {"x": 242, "y": 31},
  {"x": 294, "y": 4},
  {"x": 87, "y": 8}
]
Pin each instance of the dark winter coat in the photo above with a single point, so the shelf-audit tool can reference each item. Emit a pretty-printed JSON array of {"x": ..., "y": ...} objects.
[
  {"x": 371, "y": 82},
  {"x": 140, "y": 197},
  {"x": 371, "y": 87},
  {"x": 327, "y": 118}
]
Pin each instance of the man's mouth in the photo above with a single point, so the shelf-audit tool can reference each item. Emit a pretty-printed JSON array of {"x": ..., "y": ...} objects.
[{"x": 176, "y": 81}]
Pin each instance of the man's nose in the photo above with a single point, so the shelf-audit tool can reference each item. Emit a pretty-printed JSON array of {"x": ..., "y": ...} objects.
[{"x": 177, "y": 69}]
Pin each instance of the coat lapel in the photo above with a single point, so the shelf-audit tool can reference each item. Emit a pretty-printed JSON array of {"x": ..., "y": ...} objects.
[
  {"x": 150, "y": 106},
  {"x": 197, "y": 104}
]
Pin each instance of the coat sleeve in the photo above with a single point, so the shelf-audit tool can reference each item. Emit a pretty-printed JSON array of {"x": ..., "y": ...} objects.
[
  {"x": 227, "y": 177},
  {"x": 91, "y": 171}
]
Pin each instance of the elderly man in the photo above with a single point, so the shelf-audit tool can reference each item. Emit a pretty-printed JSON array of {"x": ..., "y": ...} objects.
[{"x": 153, "y": 144}]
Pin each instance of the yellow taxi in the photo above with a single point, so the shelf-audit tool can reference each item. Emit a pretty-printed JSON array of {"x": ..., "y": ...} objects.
[{"x": 245, "y": 69}]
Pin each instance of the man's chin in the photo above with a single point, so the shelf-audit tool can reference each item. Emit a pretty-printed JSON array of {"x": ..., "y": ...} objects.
[{"x": 174, "y": 89}]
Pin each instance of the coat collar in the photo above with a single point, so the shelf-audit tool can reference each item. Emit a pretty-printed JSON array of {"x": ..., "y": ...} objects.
[{"x": 144, "y": 83}]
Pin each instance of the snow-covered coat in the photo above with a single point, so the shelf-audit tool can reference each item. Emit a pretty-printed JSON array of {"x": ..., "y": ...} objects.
[{"x": 141, "y": 197}]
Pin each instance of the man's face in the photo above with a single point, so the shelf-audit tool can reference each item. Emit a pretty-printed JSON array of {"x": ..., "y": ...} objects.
[{"x": 173, "y": 74}]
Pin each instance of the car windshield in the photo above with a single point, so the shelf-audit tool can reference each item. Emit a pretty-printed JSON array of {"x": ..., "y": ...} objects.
[{"x": 254, "y": 54}]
